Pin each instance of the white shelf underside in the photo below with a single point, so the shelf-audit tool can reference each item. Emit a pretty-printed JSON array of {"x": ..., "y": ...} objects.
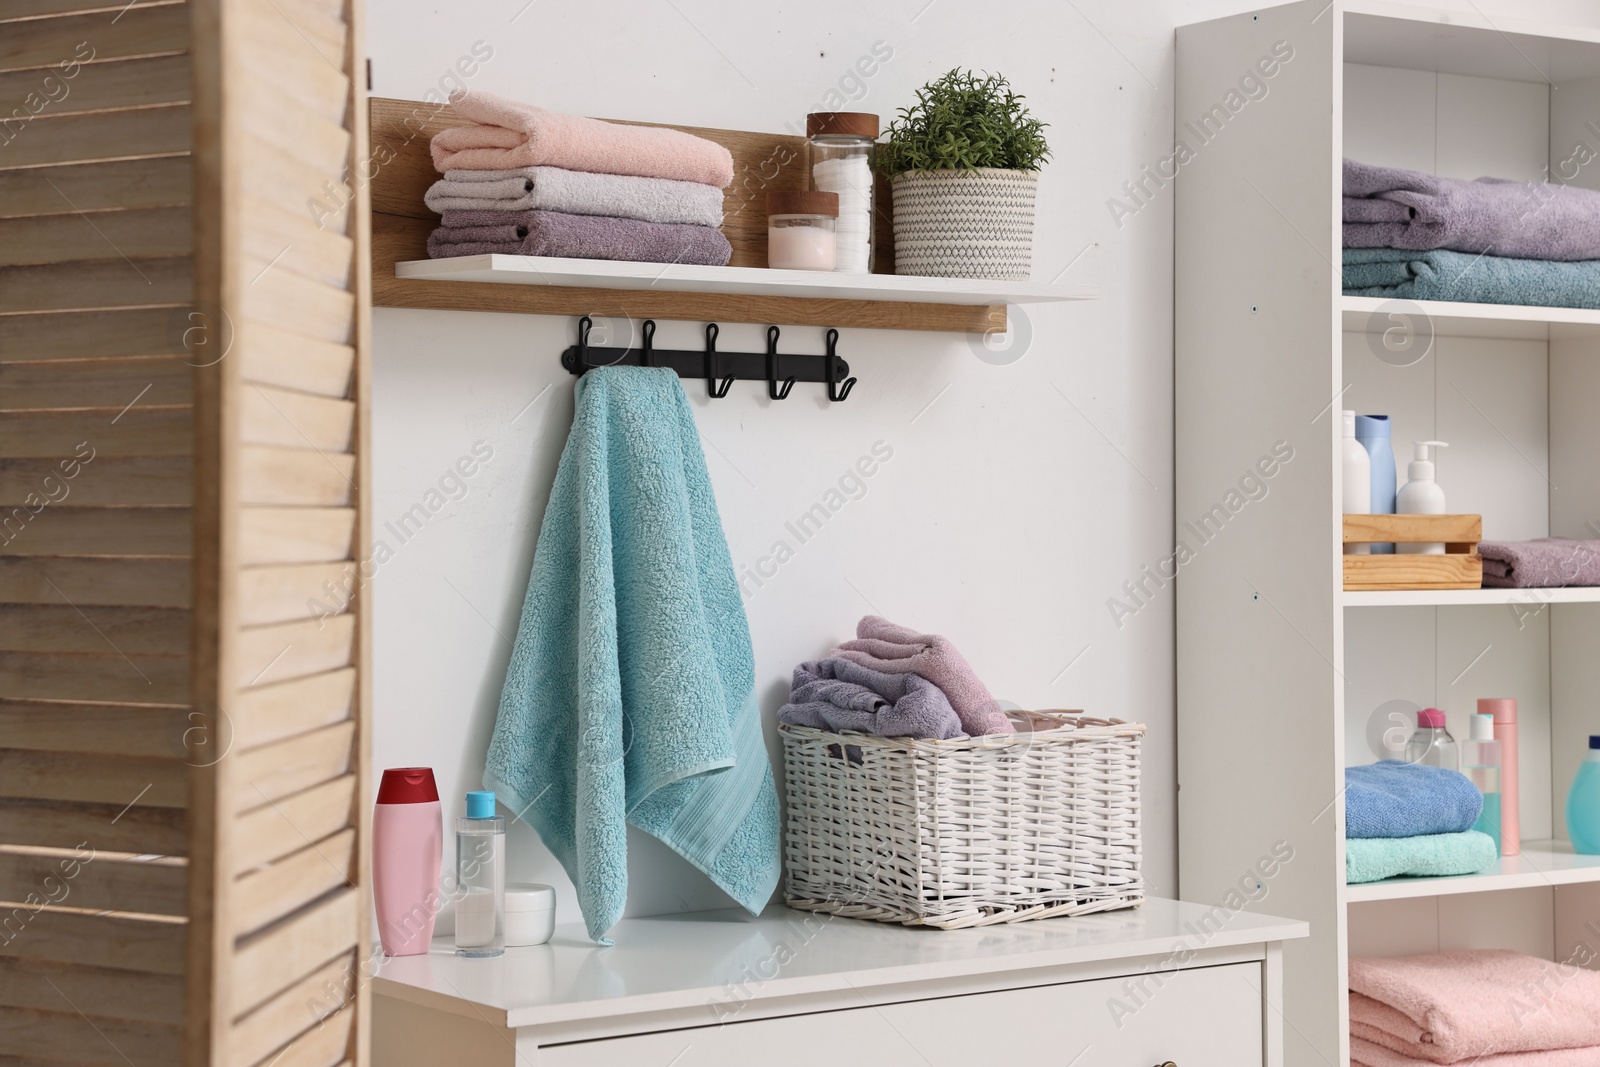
[
  {"x": 1531, "y": 598},
  {"x": 1541, "y": 863}
]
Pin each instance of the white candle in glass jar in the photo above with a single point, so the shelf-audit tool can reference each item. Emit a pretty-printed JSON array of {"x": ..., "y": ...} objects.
[{"x": 801, "y": 242}]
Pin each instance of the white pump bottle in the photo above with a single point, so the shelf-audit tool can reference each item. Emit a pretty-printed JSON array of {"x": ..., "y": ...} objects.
[
  {"x": 1356, "y": 469},
  {"x": 1421, "y": 495}
]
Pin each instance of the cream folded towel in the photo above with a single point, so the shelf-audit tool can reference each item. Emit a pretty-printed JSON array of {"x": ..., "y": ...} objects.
[{"x": 577, "y": 192}]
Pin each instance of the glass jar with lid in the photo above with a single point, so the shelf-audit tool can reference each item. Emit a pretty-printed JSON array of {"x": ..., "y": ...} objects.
[
  {"x": 842, "y": 144},
  {"x": 800, "y": 230}
]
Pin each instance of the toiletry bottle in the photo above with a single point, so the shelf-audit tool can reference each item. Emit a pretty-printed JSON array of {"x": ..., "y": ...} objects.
[
  {"x": 1480, "y": 761},
  {"x": 1421, "y": 495},
  {"x": 480, "y": 879},
  {"x": 1583, "y": 803},
  {"x": 1504, "y": 710},
  {"x": 1357, "y": 479},
  {"x": 407, "y": 849},
  {"x": 1432, "y": 744},
  {"x": 1372, "y": 431}
]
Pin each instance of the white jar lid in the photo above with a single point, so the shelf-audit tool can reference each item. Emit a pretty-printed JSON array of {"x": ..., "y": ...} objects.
[{"x": 529, "y": 896}]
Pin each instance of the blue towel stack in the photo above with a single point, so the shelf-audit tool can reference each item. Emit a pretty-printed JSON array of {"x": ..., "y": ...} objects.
[{"x": 1410, "y": 819}]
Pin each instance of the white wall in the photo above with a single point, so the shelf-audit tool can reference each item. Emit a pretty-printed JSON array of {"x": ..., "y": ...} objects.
[{"x": 1025, "y": 486}]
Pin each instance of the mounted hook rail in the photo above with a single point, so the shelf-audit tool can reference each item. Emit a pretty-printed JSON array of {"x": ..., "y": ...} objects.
[{"x": 719, "y": 369}]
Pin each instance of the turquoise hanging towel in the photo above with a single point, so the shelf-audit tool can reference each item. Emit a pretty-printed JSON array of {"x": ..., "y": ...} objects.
[{"x": 630, "y": 696}]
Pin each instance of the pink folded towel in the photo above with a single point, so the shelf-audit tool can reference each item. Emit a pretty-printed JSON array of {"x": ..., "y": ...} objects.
[
  {"x": 1452, "y": 1006},
  {"x": 511, "y": 135},
  {"x": 883, "y": 646},
  {"x": 1367, "y": 1054}
]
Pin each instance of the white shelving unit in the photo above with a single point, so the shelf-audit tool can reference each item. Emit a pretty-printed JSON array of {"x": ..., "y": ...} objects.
[{"x": 1284, "y": 679}]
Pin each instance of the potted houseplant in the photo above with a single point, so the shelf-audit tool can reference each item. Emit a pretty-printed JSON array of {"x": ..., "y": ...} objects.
[{"x": 963, "y": 167}]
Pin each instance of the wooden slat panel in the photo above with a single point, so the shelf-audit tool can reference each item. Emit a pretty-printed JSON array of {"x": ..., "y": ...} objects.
[
  {"x": 142, "y": 234},
  {"x": 109, "y": 283},
  {"x": 293, "y": 476},
  {"x": 284, "y": 299},
  {"x": 103, "y": 86},
  {"x": 266, "y": 655},
  {"x": 272, "y": 416},
  {"x": 322, "y": 1047},
  {"x": 282, "y": 121},
  {"x": 267, "y": 895},
  {"x": 315, "y": 24},
  {"x": 71, "y": 531},
  {"x": 146, "y": 29},
  {"x": 107, "y": 729},
  {"x": 62, "y": 628},
  {"x": 84, "y": 877},
  {"x": 146, "y": 481},
  {"x": 149, "y": 131},
  {"x": 267, "y": 1029},
  {"x": 270, "y": 174},
  {"x": 265, "y": 774},
  {"x": 1379, "y": 528},
  {"x": 155, "y": 998},
  {"x": 20, "y": 9},
  {"x": 67, "y": 1037},
  {"x": 277, "y": 829},
  {"x": 94, "y": 383},
  {"x": 271, "y": 713},
  {"x": 270, "y": 356},
  {"x": 122, "y": 184},
  {"x": 109, "y": 678},
  {"x": 292, "y": 592},
  {"x": 139, "y": 430},
  {"x": 294, "y": 241},
  {"x": 295, "y": 535},
  {"x": 274, "y": 960},
  {"x": 86, "y": 334},
  {"x": 101, "y": 941},
  {"x": 275, "y": 53},
  {"x": 138, "y": 828},
  {"x": 94, "y": 779},
  {"x": 156, "y": 583}
]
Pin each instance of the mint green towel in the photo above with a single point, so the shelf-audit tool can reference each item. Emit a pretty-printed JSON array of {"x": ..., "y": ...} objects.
[
  {"x": 1373, "y": 859},
  {"x": 1472, "y": 279},
  {"x": 630, "y": 695}
]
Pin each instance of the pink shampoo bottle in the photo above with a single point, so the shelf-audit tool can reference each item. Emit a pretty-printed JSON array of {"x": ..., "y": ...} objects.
[{"x": 407, "y": 849}]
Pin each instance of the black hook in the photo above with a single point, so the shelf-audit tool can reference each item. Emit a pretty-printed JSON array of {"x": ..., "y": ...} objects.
[
  {"x": 834, "y": 366},
  {"x": 647, "y": 358},
  {"x": 773, "y": 390},
  {"x": 717, "y": 391},
  {"x": 583, "y": 344}
]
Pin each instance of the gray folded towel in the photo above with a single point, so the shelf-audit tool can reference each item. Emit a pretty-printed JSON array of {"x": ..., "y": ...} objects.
[
  {"x": 555, "y": 233},
  {"x": 836, "y": 694},
  {"x": 622, "y": 196},
  {"x": 1549, "y": 562}
]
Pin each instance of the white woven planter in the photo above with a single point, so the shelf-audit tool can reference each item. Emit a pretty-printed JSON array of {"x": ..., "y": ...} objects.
[
  {"x": 970, "y": 832},
  {"x": 961, "y": 224}
]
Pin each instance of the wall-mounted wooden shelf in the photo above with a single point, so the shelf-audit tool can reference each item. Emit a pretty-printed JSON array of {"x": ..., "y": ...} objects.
[{"x": 743, "y": 291}]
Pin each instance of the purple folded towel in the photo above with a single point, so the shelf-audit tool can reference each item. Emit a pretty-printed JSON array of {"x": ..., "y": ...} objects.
[
  {"x": 836, "y": 694},
  {"x": 554, "y": 233},
  {"x": 1387, "y": 207},
  {"x": 884, "y": 646},
  {"x": 1547, "y": 563}
]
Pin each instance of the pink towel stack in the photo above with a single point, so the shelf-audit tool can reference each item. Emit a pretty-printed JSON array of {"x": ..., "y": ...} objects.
[
  {"x": 525, "y": 181},
  {"x": 881, "y": 645},
  {"x": 1486, "y": 1008}
]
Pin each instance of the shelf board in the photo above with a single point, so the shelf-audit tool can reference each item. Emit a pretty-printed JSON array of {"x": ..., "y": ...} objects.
[
  {"x": 1379, "y": 598},
  {"x": 1387, "y": 34},
  {"x": 1542, "y": 863},
  {"x": 1371, "y": 314}
]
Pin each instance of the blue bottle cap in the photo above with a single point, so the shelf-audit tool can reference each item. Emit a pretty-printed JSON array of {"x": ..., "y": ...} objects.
[
  {"x": 480, "y": 805},
  {"x": 1372, "y": 426},
  {"x": 1594, "y": 740}
]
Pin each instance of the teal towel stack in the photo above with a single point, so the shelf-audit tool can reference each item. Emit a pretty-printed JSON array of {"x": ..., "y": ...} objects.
[
  {"x": 1402, "y": 274},
  {"x": 630, "y": 695},
  {"x": 1404, "y": 819},
  {"x": 1372, "y": 859}
]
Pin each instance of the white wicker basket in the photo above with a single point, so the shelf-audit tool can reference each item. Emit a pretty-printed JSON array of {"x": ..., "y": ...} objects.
[
  {"x": 969, "y": 832},
  {"x": 964, "y": 224}
]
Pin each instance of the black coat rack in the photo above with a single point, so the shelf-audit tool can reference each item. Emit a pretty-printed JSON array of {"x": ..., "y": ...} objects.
[{"x": 719, "y": 369}]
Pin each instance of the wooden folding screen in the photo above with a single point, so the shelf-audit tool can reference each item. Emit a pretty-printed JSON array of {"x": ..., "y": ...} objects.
[{"x": 183, "y": 623}]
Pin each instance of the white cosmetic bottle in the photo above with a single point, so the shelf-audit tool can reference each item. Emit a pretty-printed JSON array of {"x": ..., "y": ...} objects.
[
  {"x": 1357, "y": 480},
  {"x": 1421, "y": 495}
]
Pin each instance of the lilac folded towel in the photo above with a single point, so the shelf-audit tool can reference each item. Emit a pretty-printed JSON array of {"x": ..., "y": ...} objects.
[
  {"x": 554, "y": 233},
  {"x": 836, "y": 694},
  {"x": 1387, "y": 207},
  {"x": 883, "y": 646},
  {"x": 1547, "y": 563},
  {"x": 576, "y": 192}
]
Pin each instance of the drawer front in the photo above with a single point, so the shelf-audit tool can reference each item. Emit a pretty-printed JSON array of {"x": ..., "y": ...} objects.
[{"x": 1209, "y": 1017}]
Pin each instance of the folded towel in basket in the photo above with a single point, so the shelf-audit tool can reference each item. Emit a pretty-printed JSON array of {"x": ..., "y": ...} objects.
[
  {"x": 555, "y": 233},
  {"x": 576, "y": 192},
  {"x": 1372, "y": 859},
  {"x": 836, "y": 694},
  {"x": 883, "y": 646},
  {"x": 1395, "y": 799},
  {"x": 1549, "y": 562}
]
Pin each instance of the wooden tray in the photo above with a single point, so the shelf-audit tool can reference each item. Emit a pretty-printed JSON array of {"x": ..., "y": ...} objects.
[{"x": 1459, "y": 568}]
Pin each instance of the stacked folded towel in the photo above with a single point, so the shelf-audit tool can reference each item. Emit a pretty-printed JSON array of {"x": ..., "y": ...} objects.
[
  {"x": 1416, "y": 236},
  {"x": 1486, "y": 1007},
  {"x": 524, "y": 181},
  {"x": 1409, "y": 819},
  {"x": 1548, "y": 562}
]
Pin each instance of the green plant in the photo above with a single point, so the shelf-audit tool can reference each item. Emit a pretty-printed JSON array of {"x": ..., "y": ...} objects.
[{"x": 961, "y": 122}]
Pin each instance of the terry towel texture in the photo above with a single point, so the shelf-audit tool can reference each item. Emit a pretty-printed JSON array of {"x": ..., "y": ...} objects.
[
  {"x": 513, "y": 134},
  {"x": 1395, "y": 799},
  {"x": 883, "y": 646},
  {"x": 1441, "y": 275},
  {"x": 1364, "y": 1053},
  {"x": 576, "y": 193},
  {"x": 1451, "y": 1006},
  {"x": 837, "y": 694},
  {"x": 1549, "y": 562},
  {"x": 1387, "y": 207},
  {"x": 630, "y": 695},
  {"x": 554, "y": 233},
  {"x": 1372, "y": 859}
]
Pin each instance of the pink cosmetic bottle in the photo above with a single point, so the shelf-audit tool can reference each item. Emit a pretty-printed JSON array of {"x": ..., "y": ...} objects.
[
  {"x": 1504, "y": 710},
  {"x": 407, "y": 849}
]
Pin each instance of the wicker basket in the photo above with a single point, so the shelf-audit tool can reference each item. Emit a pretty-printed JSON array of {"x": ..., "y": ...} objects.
[
  {"x": 968, "y": 832},
  {"x": 961, "y": 224}
]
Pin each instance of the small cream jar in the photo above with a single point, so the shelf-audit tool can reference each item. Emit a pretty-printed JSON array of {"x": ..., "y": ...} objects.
[{"x": 530, "y": 913}]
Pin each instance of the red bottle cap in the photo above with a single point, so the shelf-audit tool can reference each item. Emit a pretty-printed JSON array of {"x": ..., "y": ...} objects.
[{"x": 407, "y": 785}]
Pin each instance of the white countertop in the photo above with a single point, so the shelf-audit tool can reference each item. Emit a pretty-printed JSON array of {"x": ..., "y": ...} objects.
[{"x": 676, "y": 962}]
